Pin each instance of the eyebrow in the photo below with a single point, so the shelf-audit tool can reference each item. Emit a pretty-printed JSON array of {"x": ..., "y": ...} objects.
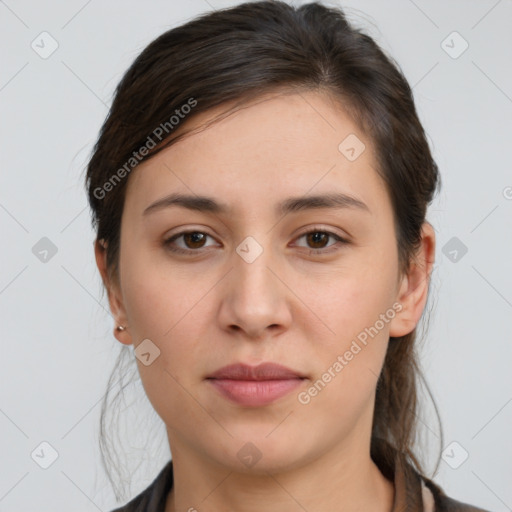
[{"x": 292, "y": 204}]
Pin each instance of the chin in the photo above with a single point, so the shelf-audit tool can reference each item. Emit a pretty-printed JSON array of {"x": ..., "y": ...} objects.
[{"x": 260, "y": 455}]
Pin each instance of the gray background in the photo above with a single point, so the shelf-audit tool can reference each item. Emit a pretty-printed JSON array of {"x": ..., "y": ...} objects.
[{"x": 56, "y": 332}]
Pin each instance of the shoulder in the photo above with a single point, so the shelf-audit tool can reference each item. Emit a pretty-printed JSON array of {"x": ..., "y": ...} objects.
[
  {"x": 137, "y": 504},
  {"x": 444, "y": 503},
  {"x": 152, "y": 499}
]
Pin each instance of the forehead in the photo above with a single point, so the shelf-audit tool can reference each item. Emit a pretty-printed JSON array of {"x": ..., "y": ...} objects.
[{"x": 280, "y": 144}]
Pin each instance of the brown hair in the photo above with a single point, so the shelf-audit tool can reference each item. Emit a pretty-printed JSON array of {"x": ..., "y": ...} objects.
[{"x": 239, "y": 53}]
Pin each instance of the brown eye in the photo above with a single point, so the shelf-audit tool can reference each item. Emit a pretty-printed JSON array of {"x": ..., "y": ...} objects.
[
  {"x": 317, "y": 240},
  {"x": 193, "y": 240},
  {"x": 196, "y": 238}
]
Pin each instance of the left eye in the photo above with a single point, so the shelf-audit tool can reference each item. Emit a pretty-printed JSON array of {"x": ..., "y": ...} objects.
[
  {"x": 197, "y": 239},
  {"x": 319, "y": 237}
]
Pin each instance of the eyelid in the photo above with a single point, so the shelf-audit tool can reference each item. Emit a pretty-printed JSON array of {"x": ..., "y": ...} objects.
[
  {"x": 341, "y": 239},
  {"x": 171, "y": 238},
  {"x": 324, "y": 229}
]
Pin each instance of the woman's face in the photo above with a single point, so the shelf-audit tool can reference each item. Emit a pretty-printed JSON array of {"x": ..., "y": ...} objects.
[{"x": 249, "y": 288}]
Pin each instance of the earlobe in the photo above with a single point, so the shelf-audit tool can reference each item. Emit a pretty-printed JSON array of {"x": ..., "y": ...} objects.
[
  {"x": 114, "y": 297},
  {"x": 413, "y": 292},
  {"x": 122, "y": 335}
]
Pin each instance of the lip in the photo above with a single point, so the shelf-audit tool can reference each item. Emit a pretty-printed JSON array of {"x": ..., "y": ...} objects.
[
  {"x": 255, "y": 385},
  {"x": 264, "y": 371}
]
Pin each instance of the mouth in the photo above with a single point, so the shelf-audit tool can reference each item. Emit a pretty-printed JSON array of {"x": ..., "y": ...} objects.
[{"x": 255, "y": 386}]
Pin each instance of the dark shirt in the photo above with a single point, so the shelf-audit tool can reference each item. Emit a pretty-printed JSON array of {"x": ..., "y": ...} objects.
[{"x": 412, "y": 493}]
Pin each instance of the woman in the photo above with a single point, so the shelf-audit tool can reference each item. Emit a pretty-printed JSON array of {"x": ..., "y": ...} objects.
[{"x": 259, "y": 191}]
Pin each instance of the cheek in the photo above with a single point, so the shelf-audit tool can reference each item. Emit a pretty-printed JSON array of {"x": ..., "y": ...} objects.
[
  {"x": 351, "y": 303},
  {"x": 156, "y": 296},
  {"x": 358, "y": 309},
  {"x": 167, "y": 314},
  {"x": 169, "y": 318},
  {"x": 347, "y": 371}
]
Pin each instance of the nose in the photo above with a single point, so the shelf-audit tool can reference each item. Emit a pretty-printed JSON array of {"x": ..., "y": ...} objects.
[{"x": 255, "y": 298}]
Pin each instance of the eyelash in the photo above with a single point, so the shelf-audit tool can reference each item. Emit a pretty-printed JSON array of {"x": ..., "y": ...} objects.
[{"x": 342, "y": 241}]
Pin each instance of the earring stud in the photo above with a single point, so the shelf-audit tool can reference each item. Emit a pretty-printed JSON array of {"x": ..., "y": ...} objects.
[{"x": 121, "y": 328}]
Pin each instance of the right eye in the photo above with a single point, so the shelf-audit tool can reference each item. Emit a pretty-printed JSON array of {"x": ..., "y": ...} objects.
[{"x": 191, "y": 237}]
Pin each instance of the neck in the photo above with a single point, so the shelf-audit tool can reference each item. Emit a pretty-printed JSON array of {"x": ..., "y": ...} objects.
[{"x": 338, "y": 480}]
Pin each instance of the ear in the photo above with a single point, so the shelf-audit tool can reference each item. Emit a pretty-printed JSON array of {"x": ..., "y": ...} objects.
[
  {"x": 114, "y": 294},
  {"x": 413, "y": 290}
]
